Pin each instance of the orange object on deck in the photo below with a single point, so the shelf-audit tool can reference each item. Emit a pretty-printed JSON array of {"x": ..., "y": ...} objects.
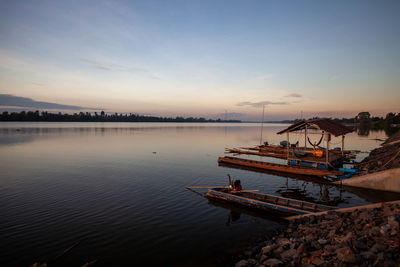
[{"x": 318, "y": 153}]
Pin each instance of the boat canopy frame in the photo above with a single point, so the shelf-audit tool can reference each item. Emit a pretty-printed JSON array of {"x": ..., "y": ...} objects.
[{"x": 328, "y": 128}]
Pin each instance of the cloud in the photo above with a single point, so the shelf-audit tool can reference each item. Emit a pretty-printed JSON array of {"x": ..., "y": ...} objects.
[
  {"x": 260, "y": 104},
  {"x": 115, "y": 67},
  {"x": 293, "y": 95},
  {"x": 17, "y": 101},
  {"x": 334, "y": 77}
]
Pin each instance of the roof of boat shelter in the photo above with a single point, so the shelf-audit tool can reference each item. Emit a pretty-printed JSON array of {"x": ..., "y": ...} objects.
[{"x": 327, "y": 125}]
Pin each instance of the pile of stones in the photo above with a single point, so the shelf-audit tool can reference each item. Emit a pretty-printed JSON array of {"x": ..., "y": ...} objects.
[
  {"x": 368, "y": 237},
  {"x": 382, "y": 158}
]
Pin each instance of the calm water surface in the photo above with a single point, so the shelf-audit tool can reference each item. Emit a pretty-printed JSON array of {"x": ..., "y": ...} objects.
[{"x": 118, "y": 188}]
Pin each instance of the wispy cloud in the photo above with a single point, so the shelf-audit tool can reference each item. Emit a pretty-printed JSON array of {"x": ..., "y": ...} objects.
[
  {"x": 17, "y": 101},
  {"x": 334, "y": 77},
  {"x": 266, "y": 76},
  {"x": 260, "y": 104},
  {"x": 293, "y": 95},
  {"x": 116, "y": 67}
]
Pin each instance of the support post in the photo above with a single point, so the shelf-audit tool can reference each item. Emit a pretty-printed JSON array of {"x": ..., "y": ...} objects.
[
  {"x": 305, "y": 137},
  {"x": 287, "y": 145},
  {"x": 342, "y": 145},
  {"x": 327, "y": 148}
]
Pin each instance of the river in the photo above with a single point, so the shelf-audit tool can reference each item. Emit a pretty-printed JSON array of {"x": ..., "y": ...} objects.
[{"x": 115, "y": 192}]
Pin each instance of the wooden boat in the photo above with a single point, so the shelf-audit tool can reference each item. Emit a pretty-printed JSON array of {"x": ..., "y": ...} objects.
[
  {"x": 295, "y": 169},
  {"x": 286, "y": 206},
  {"x": 263, "y": 154},
  {"x": 283, "y": 150}
]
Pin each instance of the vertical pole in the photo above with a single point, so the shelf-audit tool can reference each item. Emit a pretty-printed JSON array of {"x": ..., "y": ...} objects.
[
  {"x": 287, "y": 145},
  {"x": 262, "y": 125},
  {"x": 342, "y": 145},
  {"x": 305, "y": 137},
  {"x": 327, "y": 148}
]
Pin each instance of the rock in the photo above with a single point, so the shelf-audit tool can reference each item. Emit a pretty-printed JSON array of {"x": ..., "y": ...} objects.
[
  {"x": 359, "y": 245},
  {"x": 283, "y": 242},
  {"x": 368, "y": 255},
  {"x": 393, "y": 232},
  {"x": 377, "y": 248},
  {"x": 288, "y": 254},
  {"x": 301, "y": 249},
  {"x": 317, "y": 261},
  {"x": 268, "y": 249},
  {"x": 322, "y": 241},
  {"x": 379, "y": 259},
  {"x": 263, "y": 258},
  {"x": 309, "y": 238},
  {"x": 346, "y": 255},
  {"x": 347, "y": 237},
  {"x": 332, "y": 233},
  {"x": 392, "y": 221},
  {"x": 242, "y": 263},
  {"x": 328, "y": 249},
  {"x": 375, "y": 231},
  {"x": 273, "y": 262},
  {"x": 278, "y": 251},
  {"x": 252, "y": 261},
  {"x": 385, "y": 228}
]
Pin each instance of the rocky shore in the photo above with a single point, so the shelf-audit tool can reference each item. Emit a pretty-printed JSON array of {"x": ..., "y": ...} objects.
[{"x": 368, "y": 237}]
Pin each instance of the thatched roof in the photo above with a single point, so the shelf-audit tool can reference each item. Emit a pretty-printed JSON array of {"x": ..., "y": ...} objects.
[{"x": 326, "y": 125}]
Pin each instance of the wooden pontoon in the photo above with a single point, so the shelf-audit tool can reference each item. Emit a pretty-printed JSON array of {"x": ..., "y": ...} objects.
[
  {"x": 304, "y": 154},
  {"x": 325, "y": 127},
  {"x": 264, "y": 202},
  {"x": 320, "y": 172},
  {"x": 314, "y": 161}
]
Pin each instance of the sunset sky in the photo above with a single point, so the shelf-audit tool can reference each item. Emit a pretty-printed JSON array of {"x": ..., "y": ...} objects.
[{"x": 202, "y": 58}]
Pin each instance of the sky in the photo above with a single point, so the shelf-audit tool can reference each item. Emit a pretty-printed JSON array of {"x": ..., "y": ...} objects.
[{"x": 202, "y": 58}]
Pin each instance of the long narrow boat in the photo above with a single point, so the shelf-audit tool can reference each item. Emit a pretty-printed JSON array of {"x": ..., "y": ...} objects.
[
  {"x": 279, "y": 167},
  {"x": 248, "y": 152},
  {"x": 282, "y": 205}
]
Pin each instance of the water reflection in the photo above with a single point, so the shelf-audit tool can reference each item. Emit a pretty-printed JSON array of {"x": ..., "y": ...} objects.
[
  {"x": 61, "y": 181},
  {"x": 237, "y": 214},
  {"x": 333, "y": 198}
]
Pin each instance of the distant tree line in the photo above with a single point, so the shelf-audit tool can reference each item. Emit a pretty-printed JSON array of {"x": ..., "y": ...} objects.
[
  {"x": 365, "y": 122},
  {"x": 366, "y": 118},
  {"x": 95, "y": 117}
]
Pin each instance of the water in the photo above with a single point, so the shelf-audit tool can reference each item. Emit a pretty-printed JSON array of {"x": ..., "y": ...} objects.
[{"x": 118, "y": 188}]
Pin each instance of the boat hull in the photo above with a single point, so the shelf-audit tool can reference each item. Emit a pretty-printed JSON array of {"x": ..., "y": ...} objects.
[
  {"x": 278, "y": 167},
  {"x": 263, "y": 202}
]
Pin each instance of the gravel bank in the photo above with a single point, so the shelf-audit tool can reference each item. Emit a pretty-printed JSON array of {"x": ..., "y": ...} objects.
[{"x": 361, "y": 237}]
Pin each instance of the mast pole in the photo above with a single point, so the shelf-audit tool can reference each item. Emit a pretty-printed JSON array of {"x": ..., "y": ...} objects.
[{"x": 262, "y": 125}]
